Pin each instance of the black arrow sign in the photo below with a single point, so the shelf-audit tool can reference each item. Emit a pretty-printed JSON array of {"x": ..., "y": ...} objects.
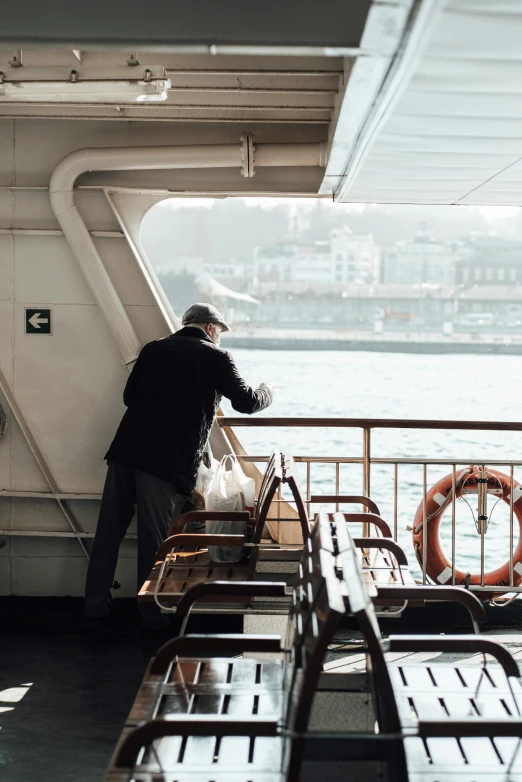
[{"x": 38, "y": 321}]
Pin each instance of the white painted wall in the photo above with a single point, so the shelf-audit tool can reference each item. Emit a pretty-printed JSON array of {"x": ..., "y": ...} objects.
[{"x": 69, "y": 385}]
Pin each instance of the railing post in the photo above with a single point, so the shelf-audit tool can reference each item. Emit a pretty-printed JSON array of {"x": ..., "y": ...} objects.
[
  {"x": 482, "y": 516},
  {"x": 337, "y": 468},
  {"x": 424, "y": 521},
  {"x": 308, "y": 490},
  {"x": 366, "y": 471},
  {"x": 395, "y": 501},
  {"x": 511, "y": 507},
  {"x": 453, "y": 519}
]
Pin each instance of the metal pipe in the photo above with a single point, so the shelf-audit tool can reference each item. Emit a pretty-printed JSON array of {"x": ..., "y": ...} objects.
[
  {"x": 394, "y": 460},
  {"x": 482, "y": 500},
  {"x": 47, "y": 495},
  {"x": 366, "y": 471},
  {"x": 337, "y": 483},
  {"x": 482, "y": 508},
  {"x": 377, "y": 423},
  {"x": 424, "y": 521},
  {"x": 395, "y": 500},
  {"x": 291, "y": 154},
  {"x": 453, "y": 520},
  {"x": 45, "y": 533},
  {"x": 250, "y": 72},
  {"x": 511, "y": 507},
  {"x": 308, "y": 488},
  {"x": 165, "y": 117},
  {"x": 54, "y": 232},
  {"x": 257, "y": 90},
  {"x": 366, "y": 461},
  {"x": 139, "y": 158}
]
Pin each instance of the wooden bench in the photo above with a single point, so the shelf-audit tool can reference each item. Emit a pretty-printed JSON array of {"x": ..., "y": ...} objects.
[
  {"x": 208, "y": 718},
  {"x": 183, "y": 559},
  {"x": 383, "y": 561},
  {"x": 444, "y": 722}
]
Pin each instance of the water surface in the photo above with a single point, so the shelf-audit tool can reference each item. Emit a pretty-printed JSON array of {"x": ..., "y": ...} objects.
[{"x": 383, "y": 385}]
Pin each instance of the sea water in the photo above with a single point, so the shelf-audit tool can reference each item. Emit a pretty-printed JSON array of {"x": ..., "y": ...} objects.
[{"x": 342, "y": 384}]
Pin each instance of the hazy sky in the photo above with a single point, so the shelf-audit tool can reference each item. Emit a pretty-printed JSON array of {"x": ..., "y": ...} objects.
[
  {"x": 230, "y": 228},
  {"x": 491, "y": 213}
]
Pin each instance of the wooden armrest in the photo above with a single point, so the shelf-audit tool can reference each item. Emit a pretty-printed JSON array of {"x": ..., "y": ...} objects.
[
  {"x": 215, "y": 645},
  {"x": 190, "y": 725},
  {"x": 511, "y": 726},
  {"x": 350, "y": 499},
  {"x": 453, "y": 643},
  {"x": 229, "y": 589},
  {"x": 443, "y": 594},
  {"x": 197, "y": 540},
  {"x": 386, "y": 544},
  {"x": 368, "y": 518},
  {"x": 207, "y": 515}
]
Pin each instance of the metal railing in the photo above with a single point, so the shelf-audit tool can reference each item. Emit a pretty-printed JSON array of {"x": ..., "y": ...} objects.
[{"x": 367, "y": 461}]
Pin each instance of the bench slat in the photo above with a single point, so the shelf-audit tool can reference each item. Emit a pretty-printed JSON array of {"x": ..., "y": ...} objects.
[{"x": 445, "y": 752}]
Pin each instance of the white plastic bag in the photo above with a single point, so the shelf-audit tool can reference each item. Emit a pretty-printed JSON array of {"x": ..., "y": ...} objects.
[
  {"x": 205, "y": 475},
  {"x": 248, "y": 486},
  {"x": 226, "y": 493}
]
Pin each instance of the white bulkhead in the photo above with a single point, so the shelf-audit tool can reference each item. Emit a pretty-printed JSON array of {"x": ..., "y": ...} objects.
[{"x": 65, "y": 387}]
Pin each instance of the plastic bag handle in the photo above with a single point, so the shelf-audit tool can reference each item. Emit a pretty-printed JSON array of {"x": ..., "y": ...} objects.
[{"x": 227, "y": 456}]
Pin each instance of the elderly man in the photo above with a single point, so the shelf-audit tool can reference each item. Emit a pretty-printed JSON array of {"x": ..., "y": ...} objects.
[{"x": 172, "y": 396}]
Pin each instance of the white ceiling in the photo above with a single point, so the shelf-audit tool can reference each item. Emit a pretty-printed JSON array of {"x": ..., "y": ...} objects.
[
  {"x": 205, "y": 88},
  {"x": 453, "y": 135}
]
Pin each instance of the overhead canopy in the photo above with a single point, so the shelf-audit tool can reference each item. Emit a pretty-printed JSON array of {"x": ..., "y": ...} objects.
[
  {"x": 446, "y": 125},
  {"x": 419, "y": 100}
]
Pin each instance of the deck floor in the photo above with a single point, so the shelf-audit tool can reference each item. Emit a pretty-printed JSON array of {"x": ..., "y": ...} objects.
[{"x": 76, "y": 689}]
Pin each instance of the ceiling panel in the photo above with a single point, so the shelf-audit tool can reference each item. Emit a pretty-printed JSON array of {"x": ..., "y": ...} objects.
[{"x": 454, "y": 133}]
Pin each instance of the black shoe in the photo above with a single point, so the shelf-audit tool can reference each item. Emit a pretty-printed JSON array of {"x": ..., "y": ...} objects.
[{"x": 103, "y": 625}]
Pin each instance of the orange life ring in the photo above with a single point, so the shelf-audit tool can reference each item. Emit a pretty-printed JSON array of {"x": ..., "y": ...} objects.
[{"x": 440, "y": 496}]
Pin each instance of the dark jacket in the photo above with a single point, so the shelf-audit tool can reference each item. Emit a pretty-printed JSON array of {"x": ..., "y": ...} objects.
[{"x": 172, "y": 396}]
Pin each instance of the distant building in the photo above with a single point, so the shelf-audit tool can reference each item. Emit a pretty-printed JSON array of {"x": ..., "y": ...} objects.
[
  {"x": 356, "y": 257},
  {"x": 503, "y": 301},
  {"x": 489, "y": 260},
  {"x": 355, "y": 305},
  {"x": 422, "y": 260},
  {"x": 344, "y": 258},
  {"x": 233, "y": 274}
]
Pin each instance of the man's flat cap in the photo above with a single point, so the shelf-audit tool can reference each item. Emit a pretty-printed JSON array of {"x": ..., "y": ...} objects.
[{"x": 204, "y": 313}]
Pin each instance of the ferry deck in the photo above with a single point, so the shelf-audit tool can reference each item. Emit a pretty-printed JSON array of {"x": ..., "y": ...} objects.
[{"x": 106, "y": 110}]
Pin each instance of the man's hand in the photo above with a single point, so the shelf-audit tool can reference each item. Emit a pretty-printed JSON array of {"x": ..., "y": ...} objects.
[{"x": 270, "y": 386}]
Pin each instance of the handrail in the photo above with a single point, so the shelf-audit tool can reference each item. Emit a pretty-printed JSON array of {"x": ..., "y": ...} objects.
[
  {"x": 371, "y": 423},
  {"x": 369, "y": 461}
]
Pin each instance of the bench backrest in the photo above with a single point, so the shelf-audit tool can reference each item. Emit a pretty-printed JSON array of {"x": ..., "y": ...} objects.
[
  {"x": 270, "y": 485},
  {"x": 291, "y": 478},
  {"x": 361, "y": 606},
  {"x": 316, "y": 609}
]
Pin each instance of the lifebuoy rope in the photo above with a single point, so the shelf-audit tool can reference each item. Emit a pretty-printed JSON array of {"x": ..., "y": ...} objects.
[{"x": 446, "y": 502}]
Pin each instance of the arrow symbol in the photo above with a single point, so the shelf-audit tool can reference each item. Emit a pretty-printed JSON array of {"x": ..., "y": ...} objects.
[{"x": 36, "y": 320}]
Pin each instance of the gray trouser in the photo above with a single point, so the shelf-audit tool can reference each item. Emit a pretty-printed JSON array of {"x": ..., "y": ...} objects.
[{"x": 158, "y": 504}]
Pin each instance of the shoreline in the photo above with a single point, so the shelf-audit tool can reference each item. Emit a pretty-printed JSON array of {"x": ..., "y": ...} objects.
[{"x": 390, "y": 343}]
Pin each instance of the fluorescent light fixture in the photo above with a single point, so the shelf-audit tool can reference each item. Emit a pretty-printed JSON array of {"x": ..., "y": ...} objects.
[{"x": 152, "y": 91}]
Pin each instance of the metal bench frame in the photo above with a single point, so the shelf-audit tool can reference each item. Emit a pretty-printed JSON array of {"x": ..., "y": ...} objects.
[
  {"x": 317, "y": 606},
  {"x": 384, "y": 691}
]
